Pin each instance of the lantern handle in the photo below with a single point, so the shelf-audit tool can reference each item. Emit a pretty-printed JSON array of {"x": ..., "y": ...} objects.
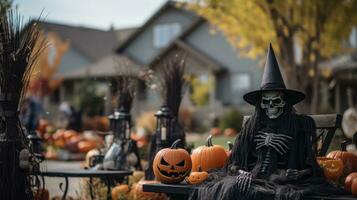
[
  {"x": 209, "y": 141},
  {"x": 174, "y": 145}
]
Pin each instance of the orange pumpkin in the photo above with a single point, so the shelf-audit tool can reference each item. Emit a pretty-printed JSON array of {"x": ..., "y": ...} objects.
[
  {"x": 349, "y": 160},
  {"x": 85, "y": 146},
  {"x": 138, "y": 193},
  {"x": 120, "y": 192},
  {"x": 208, "y": 157},
  {"x": 333, "y": 168},
  {"x": 172, "y": 165},
  {"x": 354, "y": 187},
  {"x": 196, "y": 177},
  {"x": 215, "y": 131},
  {"x": 229, "y": 132},
  {"x": 348, "y": 181},
  {"x": 41, "y": 194},
  {"x": 68, "y": 134}
]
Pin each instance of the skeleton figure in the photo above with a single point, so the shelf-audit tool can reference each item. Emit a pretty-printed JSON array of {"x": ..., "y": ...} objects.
[
  {"x": 273, "y": 104},
  {"x": 273, "y": 157}
]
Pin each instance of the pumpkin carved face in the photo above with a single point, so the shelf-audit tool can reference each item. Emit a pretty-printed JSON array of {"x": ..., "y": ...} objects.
[
  {"x": 333, "y": 168},
  {"x": 172, "y": 165},
  {"x": 349, "y": 159}
]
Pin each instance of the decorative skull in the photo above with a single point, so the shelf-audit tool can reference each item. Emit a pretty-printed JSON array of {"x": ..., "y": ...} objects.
[{"x": 273, "y": 103}]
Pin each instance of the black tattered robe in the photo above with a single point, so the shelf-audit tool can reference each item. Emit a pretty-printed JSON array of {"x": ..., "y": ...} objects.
[{"x": 272, "y": 186}]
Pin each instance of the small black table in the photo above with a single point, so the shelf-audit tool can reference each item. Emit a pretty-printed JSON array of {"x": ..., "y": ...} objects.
[
  {"x": 182, "y": 191},
  {"x": 104, "y": 174}
]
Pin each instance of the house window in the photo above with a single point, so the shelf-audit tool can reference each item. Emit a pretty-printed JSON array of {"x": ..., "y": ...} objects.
[
  {"x": 165, "y": 33},
  {"x": 241, "y": 81}
]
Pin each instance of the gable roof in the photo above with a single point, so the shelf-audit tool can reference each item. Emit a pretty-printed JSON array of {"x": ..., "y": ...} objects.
[
  {"x": 178, "y": 42},
  {"x": 157, "y": 14},
  {"x": 92, "y": 43}
]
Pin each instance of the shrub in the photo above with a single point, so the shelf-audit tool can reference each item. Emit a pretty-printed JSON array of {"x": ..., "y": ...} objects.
[{"x": 231, "y": 119}]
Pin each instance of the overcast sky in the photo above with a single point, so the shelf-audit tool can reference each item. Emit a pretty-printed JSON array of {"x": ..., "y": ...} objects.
[{"x": 92, "y": 13}]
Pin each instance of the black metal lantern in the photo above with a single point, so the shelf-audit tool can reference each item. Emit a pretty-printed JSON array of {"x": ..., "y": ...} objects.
[
  {"x": 163, "y": 125},
  {"x": 36, "y": 144},
  {"x": 120, "y": 124}
]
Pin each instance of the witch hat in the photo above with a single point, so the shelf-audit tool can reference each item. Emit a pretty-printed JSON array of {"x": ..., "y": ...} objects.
[{"x": 273, "y": 81}]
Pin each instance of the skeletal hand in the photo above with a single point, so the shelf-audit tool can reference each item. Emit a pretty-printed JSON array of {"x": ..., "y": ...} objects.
[
  {"x": 244, "y": 180},
  {"x": 233, "y": 169},
  {"x": 275, "y": 141},
  {"x": 292, "y": 174}
]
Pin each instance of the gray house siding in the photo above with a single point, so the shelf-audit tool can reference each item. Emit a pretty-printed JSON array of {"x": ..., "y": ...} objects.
[
  {"x": 72, "y": 60},
  {"x": 142, "y": 48},
  {"x": 217, "y": 47}
]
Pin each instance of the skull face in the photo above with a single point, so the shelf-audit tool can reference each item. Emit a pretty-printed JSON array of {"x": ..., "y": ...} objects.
[{"x": 273, "y": 104}]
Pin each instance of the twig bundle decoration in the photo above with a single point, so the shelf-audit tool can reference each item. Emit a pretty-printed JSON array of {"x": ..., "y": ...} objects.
[
  {"x": 18, "y": 53},
  {"x": 171, "y": 84},
  {"x": 126, "y": 91}
]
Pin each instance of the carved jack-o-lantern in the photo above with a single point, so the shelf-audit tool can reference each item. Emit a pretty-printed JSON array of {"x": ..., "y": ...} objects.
[
  {"x": 172, "y": 165},
  {"x": 197, "y": 177}
]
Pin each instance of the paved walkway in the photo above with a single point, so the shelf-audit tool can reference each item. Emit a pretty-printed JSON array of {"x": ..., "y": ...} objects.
[{"x": 52, "y": 183}]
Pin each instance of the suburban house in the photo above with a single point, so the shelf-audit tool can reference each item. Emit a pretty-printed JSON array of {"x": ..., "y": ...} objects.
[
  {"x": 76, "y": 48},
  {"x": 209, "y": 56}
]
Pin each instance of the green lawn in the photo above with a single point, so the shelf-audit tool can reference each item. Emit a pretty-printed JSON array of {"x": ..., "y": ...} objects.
[{"x": 220, "y": 140}]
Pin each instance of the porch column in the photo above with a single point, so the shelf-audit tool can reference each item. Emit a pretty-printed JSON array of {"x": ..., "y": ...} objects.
[{"x": 337, "y": 97}]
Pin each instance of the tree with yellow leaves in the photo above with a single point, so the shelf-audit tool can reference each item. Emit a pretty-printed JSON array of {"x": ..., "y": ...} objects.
[
  {"x": 318, "y": 29},
  {"x": 43, "y": 82}
]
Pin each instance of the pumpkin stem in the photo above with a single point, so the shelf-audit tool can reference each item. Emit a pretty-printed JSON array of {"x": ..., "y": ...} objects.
[
  {"x": 209, "y": 141},
  {"x": 230, "y": 145},
  {"x": 344, "y": 145},
  {"x": 199, "y": 168},
  {"x": 174, "y": 145}
]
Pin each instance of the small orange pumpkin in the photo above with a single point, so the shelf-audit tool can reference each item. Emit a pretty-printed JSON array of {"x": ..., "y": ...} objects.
[
  {"x": 41, "y": 194},
  {"x": 349, "y": 160},
  {"x": 172, "y": 165},
  {"x": 348, "y": 181},
  {"x": 196, "y": 177},
  {"x": 333, "y": 168},
  {"x": 229, "y": 132},
  {"x": 85, "y": 146},
  {"x": 208, "y": 157},
  {"x": 354, "y": 187},
  {"x": 215, "y": 131},
  {"x": 138, "y": 193},
  {"x": 120, "y": 192}
]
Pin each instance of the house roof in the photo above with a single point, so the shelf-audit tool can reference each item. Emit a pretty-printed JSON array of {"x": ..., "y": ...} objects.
[
  {"x": 346, "y": 62},
  {"x": 178, "y": 42},
  {"x": 108, "y": 66},
  {"x": 136, "y": 33},
  {"x": 92, "y": 43}
]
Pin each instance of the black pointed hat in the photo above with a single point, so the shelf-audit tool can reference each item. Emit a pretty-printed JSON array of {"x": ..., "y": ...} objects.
[{"x": 273, "y": 81}]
